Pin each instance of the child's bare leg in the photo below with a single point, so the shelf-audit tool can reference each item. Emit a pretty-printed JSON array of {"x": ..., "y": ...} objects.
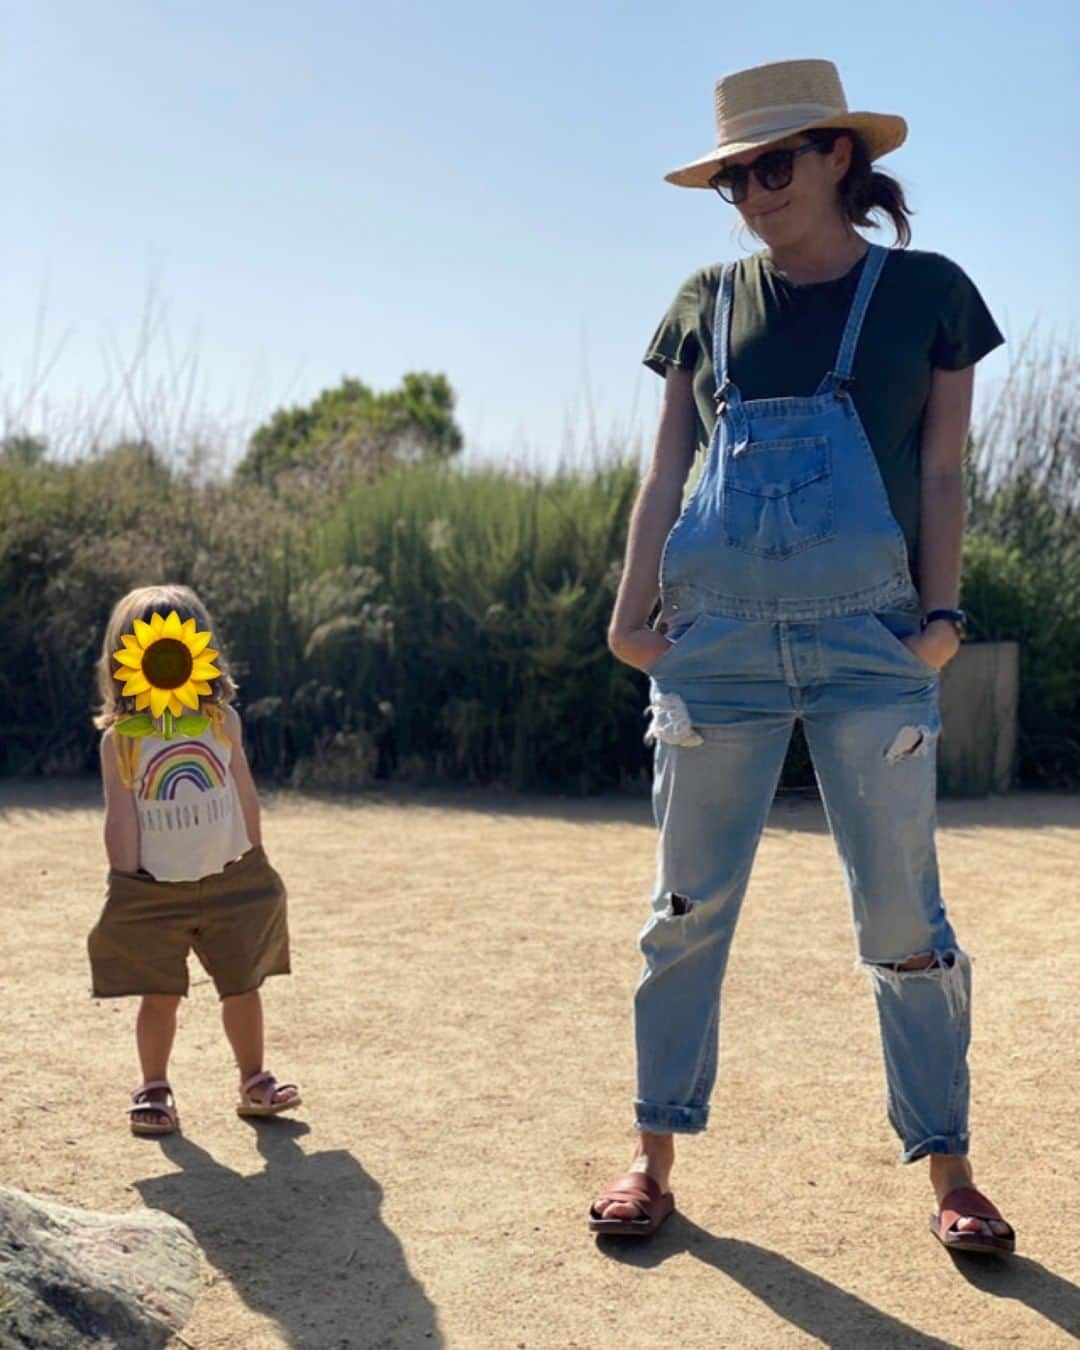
[
  {"x": 242, "y": 1018},
  {"x": 155, "y": 1031}
]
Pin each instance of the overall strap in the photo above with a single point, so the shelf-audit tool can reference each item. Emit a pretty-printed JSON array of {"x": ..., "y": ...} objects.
[
  {"x": 728, "y": 402},
  {"x": 845, "y": 359},
  {"x": 722, "y": 328}
]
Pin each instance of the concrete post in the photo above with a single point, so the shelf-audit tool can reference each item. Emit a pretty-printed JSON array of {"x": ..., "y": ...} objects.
[{"x": 980, "y": 692}]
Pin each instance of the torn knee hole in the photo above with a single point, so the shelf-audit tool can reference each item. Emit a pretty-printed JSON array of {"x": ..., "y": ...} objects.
[
  {"x": 909, "y": 743},
  {"x": 677, "y": 905},
  {"x": 920, "y": 962},
  {"x": 923, "y": 962},
  {"x": 943, "y": 967}
]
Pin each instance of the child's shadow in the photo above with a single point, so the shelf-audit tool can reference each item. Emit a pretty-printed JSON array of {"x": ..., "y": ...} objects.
[{"x": 302, "y": 1241}]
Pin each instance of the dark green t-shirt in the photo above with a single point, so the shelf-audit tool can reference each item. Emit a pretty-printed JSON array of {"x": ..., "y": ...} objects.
[{"x": 925, "y": 313}]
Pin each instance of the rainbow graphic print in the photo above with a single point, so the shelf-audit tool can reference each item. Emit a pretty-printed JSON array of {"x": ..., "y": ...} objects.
[{"x": 181, "y": 762}]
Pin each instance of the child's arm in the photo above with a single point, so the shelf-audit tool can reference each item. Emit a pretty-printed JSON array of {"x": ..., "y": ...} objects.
[
  {"x": 241, "y": 770},
  {"x": 121, "y": 820}
]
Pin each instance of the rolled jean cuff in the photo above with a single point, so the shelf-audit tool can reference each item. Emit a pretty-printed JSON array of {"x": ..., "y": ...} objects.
[
  {"x": 936, "y": 1143},
  {"x": 666, "y": 1119}
]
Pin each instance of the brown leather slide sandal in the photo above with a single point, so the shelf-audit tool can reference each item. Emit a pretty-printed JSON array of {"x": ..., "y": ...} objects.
[
  {"x": 968, "y": 1203},
  {"x": 632, "y": 1188}
]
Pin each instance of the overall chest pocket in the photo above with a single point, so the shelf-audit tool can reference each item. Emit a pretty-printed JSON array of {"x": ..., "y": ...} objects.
[{"x": 778, "y": 496}]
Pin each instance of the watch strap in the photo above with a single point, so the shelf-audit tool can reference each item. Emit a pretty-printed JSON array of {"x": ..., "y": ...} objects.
[{"x": 956, "y": 617}]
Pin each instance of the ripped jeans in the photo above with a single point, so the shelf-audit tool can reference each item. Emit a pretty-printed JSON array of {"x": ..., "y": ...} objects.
[{"x": 870, "y": 712}]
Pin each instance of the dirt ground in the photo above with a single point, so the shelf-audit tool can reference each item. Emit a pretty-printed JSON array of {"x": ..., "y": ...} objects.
[{"x": 459, "y": 1021}]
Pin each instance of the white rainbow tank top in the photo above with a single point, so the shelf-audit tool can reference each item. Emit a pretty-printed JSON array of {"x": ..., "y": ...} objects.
[{"x": 191, "y": 822}]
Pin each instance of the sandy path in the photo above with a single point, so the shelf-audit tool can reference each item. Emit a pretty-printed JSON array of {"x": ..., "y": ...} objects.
[{"x": 459, "y": 1020}]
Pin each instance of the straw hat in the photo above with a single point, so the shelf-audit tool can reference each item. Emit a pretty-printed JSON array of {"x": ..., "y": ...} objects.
[{"x": 766, "y": 103}]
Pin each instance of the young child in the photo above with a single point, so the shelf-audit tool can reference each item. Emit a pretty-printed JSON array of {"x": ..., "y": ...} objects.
[{"x": 186, "y": 864}]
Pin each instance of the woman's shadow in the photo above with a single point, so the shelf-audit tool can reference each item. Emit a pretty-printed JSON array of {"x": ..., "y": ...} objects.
[
  {"x": 302, "y": 1242},
  {"x": 830, "y": 1314}
]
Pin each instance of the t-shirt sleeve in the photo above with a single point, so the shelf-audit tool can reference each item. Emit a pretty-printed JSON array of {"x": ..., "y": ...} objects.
[
  {"x": 675, "y": 341},
  {"x": 966, "y": 330}
]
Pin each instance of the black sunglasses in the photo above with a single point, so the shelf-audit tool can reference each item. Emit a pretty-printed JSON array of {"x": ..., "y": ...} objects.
[{"x": 773, "y": 170}]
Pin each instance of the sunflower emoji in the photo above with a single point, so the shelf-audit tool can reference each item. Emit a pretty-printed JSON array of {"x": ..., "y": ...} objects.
[{"x": 166, "y": 666}]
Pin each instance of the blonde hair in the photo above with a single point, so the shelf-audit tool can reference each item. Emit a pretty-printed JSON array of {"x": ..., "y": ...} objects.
[{"x": 141, "y": 603}]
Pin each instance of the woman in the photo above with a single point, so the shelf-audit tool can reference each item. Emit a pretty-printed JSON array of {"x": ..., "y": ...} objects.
[{"x": 813, "y": 574}]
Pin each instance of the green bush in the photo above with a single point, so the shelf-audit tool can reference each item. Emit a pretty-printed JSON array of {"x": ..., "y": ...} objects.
[
  {"x": 431, "y": 624},
  {"x": 1035, "y": 601},
  {"x": 498, "y": 589}
]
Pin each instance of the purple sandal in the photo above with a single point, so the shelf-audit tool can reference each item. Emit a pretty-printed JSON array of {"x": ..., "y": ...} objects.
[
  {"x": 142, "y": 1101},
  {"x": 257, "y": 1095}
]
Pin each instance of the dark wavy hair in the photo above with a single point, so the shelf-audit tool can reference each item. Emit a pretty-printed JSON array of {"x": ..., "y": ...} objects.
[{"x": 864, "y": 189}]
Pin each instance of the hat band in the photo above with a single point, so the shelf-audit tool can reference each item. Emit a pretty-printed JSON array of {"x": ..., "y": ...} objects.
[{"x": 777, "y": 121}]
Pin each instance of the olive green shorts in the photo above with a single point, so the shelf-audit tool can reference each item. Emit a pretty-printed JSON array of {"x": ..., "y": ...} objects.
[{"x": 234, "y": 920}]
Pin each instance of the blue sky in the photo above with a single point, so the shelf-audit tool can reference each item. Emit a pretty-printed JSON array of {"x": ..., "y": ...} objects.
[{"x": 294, "y": 193}]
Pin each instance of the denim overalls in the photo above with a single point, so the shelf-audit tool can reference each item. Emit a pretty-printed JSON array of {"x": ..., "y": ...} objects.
[{"x": 785, "y": 591}]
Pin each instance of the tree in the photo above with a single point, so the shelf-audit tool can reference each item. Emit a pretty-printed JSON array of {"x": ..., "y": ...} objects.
[{"x": 355, "y": 427}]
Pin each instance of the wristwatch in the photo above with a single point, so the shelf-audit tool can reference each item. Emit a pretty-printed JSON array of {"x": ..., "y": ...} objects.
[{"x": 956, "y": 617}]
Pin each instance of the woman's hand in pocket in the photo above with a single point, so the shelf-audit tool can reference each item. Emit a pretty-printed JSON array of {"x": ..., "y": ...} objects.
[
  {"x": 638, "y": 647},
  {"x": 937, "y": 644}
]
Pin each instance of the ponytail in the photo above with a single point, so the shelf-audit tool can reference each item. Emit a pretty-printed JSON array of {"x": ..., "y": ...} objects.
[{"x": 865, "y": 189}]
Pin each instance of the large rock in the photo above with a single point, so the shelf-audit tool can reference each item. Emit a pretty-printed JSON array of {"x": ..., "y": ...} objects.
[{"x": 72, "y": 1278}]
